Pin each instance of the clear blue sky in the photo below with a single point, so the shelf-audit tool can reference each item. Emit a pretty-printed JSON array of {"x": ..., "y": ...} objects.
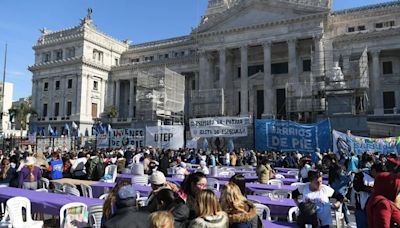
[{"x": 137, "y": 20}]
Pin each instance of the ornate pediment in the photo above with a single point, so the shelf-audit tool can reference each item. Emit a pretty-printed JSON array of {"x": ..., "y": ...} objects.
[{"x": 254, "y": 12}]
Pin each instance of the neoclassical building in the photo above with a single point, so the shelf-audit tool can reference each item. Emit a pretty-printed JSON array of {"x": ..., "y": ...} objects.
[{"x": 290, "y": 59}]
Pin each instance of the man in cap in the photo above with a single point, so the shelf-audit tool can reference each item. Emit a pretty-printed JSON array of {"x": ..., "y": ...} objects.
[{"x": 126, "y": 214}]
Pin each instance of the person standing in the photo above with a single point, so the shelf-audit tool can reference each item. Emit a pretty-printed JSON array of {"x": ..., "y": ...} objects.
[
  {"x": 56, "y": 166},
  {"x": 383, "y": 208},
  {"x": 29, "y": 175}
]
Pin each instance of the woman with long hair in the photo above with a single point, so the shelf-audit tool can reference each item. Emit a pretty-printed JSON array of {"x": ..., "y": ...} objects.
[
  {"x": 109, "y": 203},
  {"x": 191, "y": 188},
  {"x": 241, "y": 212},
  {"x": 6, "y": 172},
  {"x": 210, "y": 212},
  {"x": 240, "y": 181}
]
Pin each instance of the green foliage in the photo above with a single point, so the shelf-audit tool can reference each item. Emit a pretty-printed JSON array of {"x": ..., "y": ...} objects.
[{"x": 112, "y": 111}]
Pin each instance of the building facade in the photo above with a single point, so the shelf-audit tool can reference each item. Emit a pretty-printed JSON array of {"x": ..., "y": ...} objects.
[
  {"x": 290, "y": 59},
  {"x": 6, "y": 96}
]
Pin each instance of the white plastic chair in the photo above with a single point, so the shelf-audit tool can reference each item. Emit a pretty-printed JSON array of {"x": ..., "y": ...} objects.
[
  {"x": 297, "y": 184},
  {"x": 111, "y": 170},
  {"x": 263, "y": 211},
  {"x": 87, "y": 191},
  {"x": 72, "y": 191},
  {"x": 140, "y": 180},
  {"x": 57, "y": 186},
  {"x": 14, "y": 208},
  {"x": 95, "y": 214},
  {"x": 213, "y": 184},
  {"x": 5, "y": 223},
  {"x": 104, "y": 196},
  {"x": 225, "y": 173},
  {"x": 262, "y": 193},
  {"x": 295, "y": 173},
  {"x": 279, "y": 176},
  {"x": 276, "y": 182},
  {"x": 281, "y": 194},
  {"x": 292, "y": 210},
  {"x": 44, "y": 183},
  {"x": 41, "y": 190},
  {"x": 66, "y": 185},
  {"x": 66, "y": 207}
]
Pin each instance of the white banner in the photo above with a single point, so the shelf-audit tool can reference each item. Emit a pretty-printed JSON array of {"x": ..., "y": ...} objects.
[
  {"x": 127, "y": 138},
  {"x": 102, "y": 141},
  {"x": 219, "y": 127},
  {"x": 191, "y": 144},
  {"x": 165, "y": 137}
]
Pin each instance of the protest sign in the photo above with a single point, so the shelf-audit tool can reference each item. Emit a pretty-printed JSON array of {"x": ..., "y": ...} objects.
[
  {"x": 346, "y": 143},
  {"x": 219, "y": 127},
  {"x": 165, "y": 137},
  {"x": 129, "y": 137},
  {"x": 283, "y": 135}
]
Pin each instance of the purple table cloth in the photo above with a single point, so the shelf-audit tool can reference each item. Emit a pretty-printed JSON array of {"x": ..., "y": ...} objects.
[
  {"x": 44, "y": 202},
  {"x": 258, "y": 186},
  {"x": 100, "y": 188},
  {"x": 285, "y": 170},
  {"x": 124, "y": 177}
]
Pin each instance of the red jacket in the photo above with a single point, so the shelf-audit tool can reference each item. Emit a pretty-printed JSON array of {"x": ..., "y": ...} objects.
[{"x": 381, "y": 210}]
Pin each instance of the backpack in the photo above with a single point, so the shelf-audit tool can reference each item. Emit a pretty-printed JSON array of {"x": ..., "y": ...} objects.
[{"x": 98, "y": 171}]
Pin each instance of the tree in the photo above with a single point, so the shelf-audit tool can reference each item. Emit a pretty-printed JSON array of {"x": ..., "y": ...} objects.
[
  {"x": 21, "y": 114},
  {"x": 112, "y": 111}
]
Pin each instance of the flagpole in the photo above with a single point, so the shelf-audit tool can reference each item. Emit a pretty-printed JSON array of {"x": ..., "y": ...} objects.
[{"x": 2, "y": 95}]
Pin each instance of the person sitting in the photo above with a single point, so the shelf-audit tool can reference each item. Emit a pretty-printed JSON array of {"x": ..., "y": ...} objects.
[
  {"x": 167, "y": 200},
  {"x": 203, "y": 168},
  {"x": 240, "y": 181},
  {"x": 161, "y": 219},
  {"x": 78, "y": 168},
  {"x": 316, "y": 194},
  {"x": 126, "y": 214},
  {"x": 191, "y": 188},
  {"x": 241, "y": 212},
  {"x": 383, "y": 207},
  {"x": 305, "y": 167},
  {"x": 56, "y": 166},
  {"x": 264, "y": 171},
  {"x": 29, "y": 175},
  {"x": 210, "y": 213},
  {"x": 6, "y": 172},
  {"x": 109, "y": 203},
  {"x": 181, "y": 171}
]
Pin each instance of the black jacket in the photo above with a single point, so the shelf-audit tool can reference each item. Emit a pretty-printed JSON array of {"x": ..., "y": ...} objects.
[
  {"x": 128, "y": 217},
  {"x": 181, "y": 215}
]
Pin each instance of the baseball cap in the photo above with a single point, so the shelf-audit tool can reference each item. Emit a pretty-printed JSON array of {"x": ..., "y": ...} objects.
[
  {"x": 157, "y": 178},
  {"x": 126, "y": 192}
]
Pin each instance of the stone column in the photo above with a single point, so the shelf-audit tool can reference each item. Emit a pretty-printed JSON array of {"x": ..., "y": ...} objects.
[
  {"x": 117, "y": 95},
  {"x": 88, "y": 97},
  {"x": 376, "y": 93},
  {"x": 294, "y": 78},
  {"x": 222, "y": 68},
  {"x": 131, "y": 98},
  {"x": 319, "y": 56},
  {"x": 244, "y": 87},
  {"x": 222, "y": 76},
  {"x": 203, "y": 70},
  {"x": 34, "y": 93},
  {"x": 51, "y": 95},
  {"x": 110, "y": 93},
  {"x": 269, "y": 95},
  {"x": 196, "y": 78}
]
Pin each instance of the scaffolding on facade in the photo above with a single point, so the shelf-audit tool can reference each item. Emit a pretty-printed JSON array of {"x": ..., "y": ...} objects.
[
  {"x": 160, "y": 95},
  {"x": 206, "y": 103},
  {"x": 347, "y": 93}
]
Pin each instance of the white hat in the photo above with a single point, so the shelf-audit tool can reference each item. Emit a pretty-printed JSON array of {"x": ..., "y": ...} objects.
[
  {"x": 30, "y": 161},
  {"x": 157, "y": 178}
]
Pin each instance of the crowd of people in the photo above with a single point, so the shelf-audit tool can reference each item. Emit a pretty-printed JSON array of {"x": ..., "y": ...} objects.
[{"x": 368, "y": 184}]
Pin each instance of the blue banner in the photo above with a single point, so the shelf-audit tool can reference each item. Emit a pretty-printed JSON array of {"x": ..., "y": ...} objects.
[
  {"x": 284, "y": 135},
  {"x": 347, "y": 143}
]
